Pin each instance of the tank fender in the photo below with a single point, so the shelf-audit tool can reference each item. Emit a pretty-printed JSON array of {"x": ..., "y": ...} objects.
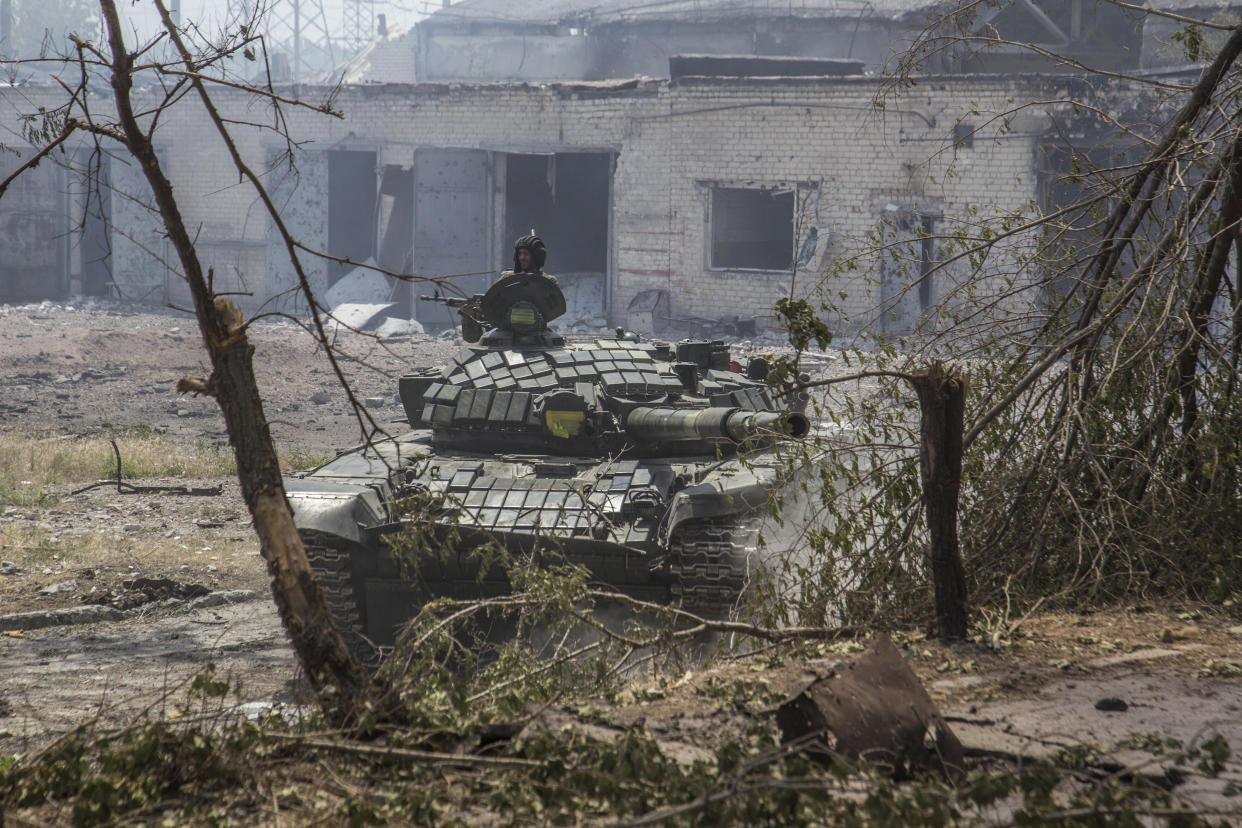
[
  {"x": 344, "y": 511},
  {"x": 736, "y": 494}
]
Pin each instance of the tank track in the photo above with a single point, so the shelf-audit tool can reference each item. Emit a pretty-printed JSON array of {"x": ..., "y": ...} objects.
[
  {"x": 332, "y": 562},
  {"x": 713, "y": 563}
]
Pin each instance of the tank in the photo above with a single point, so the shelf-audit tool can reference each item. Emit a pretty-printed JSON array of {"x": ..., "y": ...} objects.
[{"x": 645, "y": 462}]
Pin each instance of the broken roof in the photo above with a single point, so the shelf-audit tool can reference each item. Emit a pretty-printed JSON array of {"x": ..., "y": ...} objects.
[
  {"x": 585, "y": 12},
  {"x": 1194, "y": 5}
]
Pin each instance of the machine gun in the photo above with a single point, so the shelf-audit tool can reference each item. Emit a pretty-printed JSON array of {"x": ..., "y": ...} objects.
[
  {"x": 470, "y": 310},
  {"x": 453, "y": 301}
]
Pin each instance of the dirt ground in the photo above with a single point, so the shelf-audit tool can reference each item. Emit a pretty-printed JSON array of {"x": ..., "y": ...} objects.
[
  {"x": 99, "y": 366},
  {"x": 1053, "y": 683}
]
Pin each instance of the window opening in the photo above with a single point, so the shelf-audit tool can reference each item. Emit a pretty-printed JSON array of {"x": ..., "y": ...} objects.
[
  {"x": 907, "y": 280},
  {"x": 752, "y": 229}
]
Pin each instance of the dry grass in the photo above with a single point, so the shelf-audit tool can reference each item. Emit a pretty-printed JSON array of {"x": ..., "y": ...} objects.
[
  {"x": 40, "y": 528},
  {"x": 298, "y": 459},
  {"x": 31, "y": 462},
  {"x": 28, "y": 462},
  {"x": 31, "y": 545}
]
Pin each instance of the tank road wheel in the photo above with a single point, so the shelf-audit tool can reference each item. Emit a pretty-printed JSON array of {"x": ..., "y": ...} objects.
[
  {"x": 331, "y": 559},
  {"x": 713, "y": 562}
]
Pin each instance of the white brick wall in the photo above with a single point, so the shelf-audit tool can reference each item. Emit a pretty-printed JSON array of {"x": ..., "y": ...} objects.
[{"x": 672, "y": 140}]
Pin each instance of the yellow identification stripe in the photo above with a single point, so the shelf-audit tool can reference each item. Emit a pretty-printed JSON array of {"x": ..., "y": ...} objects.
[
  {"x": 564, "y": 423},
  {"x": 521, "y": 316}
]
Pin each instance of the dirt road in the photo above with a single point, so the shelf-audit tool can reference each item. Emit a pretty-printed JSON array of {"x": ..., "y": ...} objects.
[{"x": 60, "y": 677}]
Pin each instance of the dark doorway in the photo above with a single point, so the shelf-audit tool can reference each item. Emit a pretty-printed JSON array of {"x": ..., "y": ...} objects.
[
  {"x": 564, "y": 198},
  {"x": 96, "y": 243},
  {"x": 352, "y": 181},
  {"x": 907, "y": 277},
  {"x": 33, "y": 219}
]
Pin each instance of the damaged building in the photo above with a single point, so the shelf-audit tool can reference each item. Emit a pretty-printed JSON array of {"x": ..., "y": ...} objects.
[
  {"x": 745, "y": 164},
  {"x": 552, "y": 40}
]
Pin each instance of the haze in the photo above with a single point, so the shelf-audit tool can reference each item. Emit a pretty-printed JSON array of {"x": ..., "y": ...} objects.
[{"x": 211, "y": 15}]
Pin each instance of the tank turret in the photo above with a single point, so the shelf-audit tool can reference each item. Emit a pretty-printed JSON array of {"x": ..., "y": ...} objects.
[{"x": 612, "y": 396}]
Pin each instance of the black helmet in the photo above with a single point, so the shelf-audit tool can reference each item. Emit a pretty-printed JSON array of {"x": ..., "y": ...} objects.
[{"x": 538, "y": 253}]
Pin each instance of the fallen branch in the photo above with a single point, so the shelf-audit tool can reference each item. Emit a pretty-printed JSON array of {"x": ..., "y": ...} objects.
[
  {"x": 701, "y": 624},
  {"x": 408, "y": 753},
  {"x": 698, "y": 624}
]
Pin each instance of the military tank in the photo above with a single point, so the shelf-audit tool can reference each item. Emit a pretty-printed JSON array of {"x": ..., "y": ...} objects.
[{"x": 644, "y": 462}]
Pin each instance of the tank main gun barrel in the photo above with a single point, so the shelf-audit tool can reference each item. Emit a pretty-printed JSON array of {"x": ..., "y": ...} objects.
[{"x": 658, "y": 424}]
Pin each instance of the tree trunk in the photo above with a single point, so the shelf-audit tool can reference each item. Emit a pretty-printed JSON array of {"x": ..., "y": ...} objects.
[
  {"x": 942, "y": 398},
  {"x": 303, "y": 610}
]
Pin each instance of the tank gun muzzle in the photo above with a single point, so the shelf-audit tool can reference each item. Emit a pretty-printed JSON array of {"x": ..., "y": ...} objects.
[{"x": 719, "y": 424}]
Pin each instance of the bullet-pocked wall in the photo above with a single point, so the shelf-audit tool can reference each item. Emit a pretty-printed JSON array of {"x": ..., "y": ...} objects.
[
  {"x": 706, "y": 175},
  {"x": 845, "y": 169}
]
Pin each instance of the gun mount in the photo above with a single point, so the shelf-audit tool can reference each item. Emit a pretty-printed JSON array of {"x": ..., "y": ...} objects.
[{"x": 518, "y": 308}]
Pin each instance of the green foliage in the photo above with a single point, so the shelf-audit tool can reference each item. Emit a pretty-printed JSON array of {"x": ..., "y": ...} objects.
[
  {"x": 213, "y": 766},
  {"x": 22, "y": 493},
  {"x": 1214, "y": 753},
  {"x": 1046, "y": 488},
  {"x": 1109, "y": 471},
  {"x": 108, "y": 776},
  {"x": 751, "y": 692},
  {"x": 799, "y": 319},
  {"x": 802, "y": 322},
  {"x": 207, "y": 686},
  {"x": 1190, "y": 38},
  {"x": 843, "y": 538}
]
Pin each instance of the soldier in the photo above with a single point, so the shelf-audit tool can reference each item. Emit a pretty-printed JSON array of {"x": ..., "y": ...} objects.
[
  {"x": 526, "y": 280},
  {"x": 529, "y": 254}
]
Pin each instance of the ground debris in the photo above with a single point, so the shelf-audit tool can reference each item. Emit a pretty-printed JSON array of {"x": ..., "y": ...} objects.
[
  {"x": 876, "y": 710},
  {"x": 39, "y": 619},
  {"x": 568, "y": 726},
  {"x": 136, "y": 592}
]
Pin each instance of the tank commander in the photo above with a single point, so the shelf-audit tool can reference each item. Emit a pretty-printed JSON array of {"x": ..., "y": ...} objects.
[
  {"x": 529, "y": 254},
  {"x": 541, "y": 295}
]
